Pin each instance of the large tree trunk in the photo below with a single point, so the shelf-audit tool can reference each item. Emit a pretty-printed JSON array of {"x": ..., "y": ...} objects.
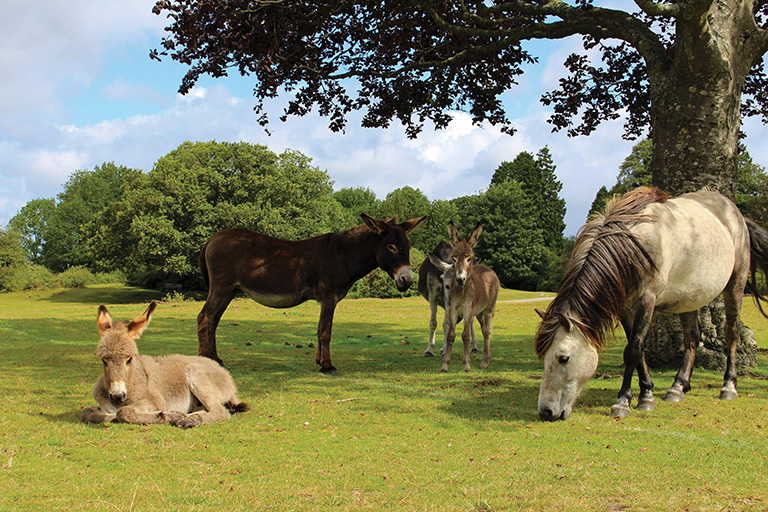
[{"x": 695, "y": 120}]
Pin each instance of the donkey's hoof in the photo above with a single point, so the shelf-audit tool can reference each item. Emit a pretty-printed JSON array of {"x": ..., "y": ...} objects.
[
  {"x": 620, "y": 411},
  {"x": 329, "y": 371},
  {"x": 728, "y": 394},
  {"x": 646, "y": 404},
  {"x": 429, "y": 353},
  {"x": 674, "y": 395},
  {"x": 475, "y": 351}
]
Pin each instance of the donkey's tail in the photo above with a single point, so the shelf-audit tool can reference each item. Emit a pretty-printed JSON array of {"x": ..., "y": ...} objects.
[
  {"x": 758, "y": 245},
  {"x": 203, "y": 265},
  {"x": 236, "y": 408}
]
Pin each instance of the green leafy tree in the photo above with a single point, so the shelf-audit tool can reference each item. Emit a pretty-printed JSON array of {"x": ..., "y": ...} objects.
[
  {"x": 155, "y": 233},
  {"x": 434, "y": 229},
  {"x": 32, "y": 224},
  {"x": 752, "y": 188},
  {"x": 408, "y": 203},
  {"x": 357, "y": 200},
  {"x": 73, "y": 221},
  {"x": 512, "y": 243},
  {"x": 12, "y": 257},
  {"x": 537, "y": 178}
]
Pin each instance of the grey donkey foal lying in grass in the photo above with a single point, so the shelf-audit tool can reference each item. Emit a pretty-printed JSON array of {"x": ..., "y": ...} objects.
[{"x": 186, "y": 391}]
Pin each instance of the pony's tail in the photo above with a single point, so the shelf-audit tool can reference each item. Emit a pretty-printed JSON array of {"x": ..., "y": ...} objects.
[
  {"x": 758, "y": 245},
  {"x": 203, "y": 265},
  {"x": 236, "y": 408}
]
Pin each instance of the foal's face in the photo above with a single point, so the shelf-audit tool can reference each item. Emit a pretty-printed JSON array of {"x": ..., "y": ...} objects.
[
  {"x": 462, "y": 257},
  {"x": 118, "y": 366},
  {"x": 568, "y": 365},
  {"x": 117, "y": 351}
]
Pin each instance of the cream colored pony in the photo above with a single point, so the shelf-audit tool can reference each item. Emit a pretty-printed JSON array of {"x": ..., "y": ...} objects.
[
  {"x": 646, "y": 253},
  {"x": 186, "y": 391}
]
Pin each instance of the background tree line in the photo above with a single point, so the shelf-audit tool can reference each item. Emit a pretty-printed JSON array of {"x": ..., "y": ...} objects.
[{"x": 149, "y": 227}]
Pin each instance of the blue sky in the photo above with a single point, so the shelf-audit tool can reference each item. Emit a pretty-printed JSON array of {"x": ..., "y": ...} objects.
[{"x": 79, "y": 89}]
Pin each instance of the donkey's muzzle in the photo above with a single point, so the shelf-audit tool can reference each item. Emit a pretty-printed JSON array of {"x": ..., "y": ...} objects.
[
  {"x": 404, "y": 278},
  {"x": 117, "y": 398}
]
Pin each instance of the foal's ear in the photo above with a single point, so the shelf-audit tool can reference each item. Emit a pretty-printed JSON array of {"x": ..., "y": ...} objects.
[
  {"x": 453, "y": 233},
  {"x": 408, "y": 225},
  {"x": 103, "y": 320},
  {"x": 138, "y": 324},
  {"x": 474, "y": 236},
  {"x": 378, "y": 225}
]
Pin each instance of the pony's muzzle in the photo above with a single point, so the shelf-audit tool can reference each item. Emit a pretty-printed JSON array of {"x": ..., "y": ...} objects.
[{"x": 549, "y": 415}]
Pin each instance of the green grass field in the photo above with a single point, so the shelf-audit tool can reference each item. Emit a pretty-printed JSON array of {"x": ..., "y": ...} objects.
[{"x": 389, "y": 433}]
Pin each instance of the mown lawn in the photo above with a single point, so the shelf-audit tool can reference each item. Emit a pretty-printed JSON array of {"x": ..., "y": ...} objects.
[{"x": 389, "y": 433}]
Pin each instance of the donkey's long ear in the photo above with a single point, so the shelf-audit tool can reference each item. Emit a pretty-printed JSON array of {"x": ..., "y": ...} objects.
[
  {"x": 453, "y": 233},
  {"x": 438, "y": 263},
  {"x": 378, "y": 225},
  {"x": 474, "y": 236},
  {"x": 408, "y": 225},
  {"x": 103, "y": 320},
  {"x": 138, "y": 324}
]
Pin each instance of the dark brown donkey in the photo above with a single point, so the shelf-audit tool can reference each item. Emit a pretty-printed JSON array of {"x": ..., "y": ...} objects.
[{"x": 282, "y": 273}]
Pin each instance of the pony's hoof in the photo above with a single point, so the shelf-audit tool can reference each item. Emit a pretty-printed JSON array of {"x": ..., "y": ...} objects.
[
  {"x": 646, "y": 404},
  {"x": 620, "y": 411},
  {"x": 429, "y": 353},
  {"x": 674, "y": 396},
  {"x": 475, "y": 351},
  {"x": 728, "y": 394},
  {"x": 329, "y": 371}
]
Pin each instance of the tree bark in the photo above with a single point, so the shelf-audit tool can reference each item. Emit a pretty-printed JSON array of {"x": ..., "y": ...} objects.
[{"x": 695, "y": 121}]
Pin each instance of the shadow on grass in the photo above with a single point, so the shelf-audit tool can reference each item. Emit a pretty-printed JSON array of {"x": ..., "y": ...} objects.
[
  {"x": 104, "y": 294},
  {"x": 268, "y": 354}
]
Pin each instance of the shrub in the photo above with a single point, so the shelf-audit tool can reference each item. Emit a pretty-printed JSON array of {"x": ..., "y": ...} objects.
[
  {"x": 26, "y": 277},
  {"x": 76, "y": 277}
]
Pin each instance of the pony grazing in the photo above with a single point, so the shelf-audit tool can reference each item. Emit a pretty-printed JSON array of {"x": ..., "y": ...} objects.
[
  {"x": 282, "y": 273},
  {"x": 431, "y": 288},
  {"x": 470, "y": 291},
  {"x": 646, "y": 253},
  {"x": 186, "y": 391}
]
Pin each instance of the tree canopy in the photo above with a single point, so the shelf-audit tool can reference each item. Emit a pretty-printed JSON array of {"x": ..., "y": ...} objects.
[{"x": 686, "y": 69}]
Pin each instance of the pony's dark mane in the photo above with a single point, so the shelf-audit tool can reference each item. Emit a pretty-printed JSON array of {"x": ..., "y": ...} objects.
[{"x": 607, "y": 263}]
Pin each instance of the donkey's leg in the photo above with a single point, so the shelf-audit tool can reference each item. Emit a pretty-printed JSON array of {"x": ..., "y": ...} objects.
[
  {"x": 432, "y": 326},
  {"x": 636, "y": 326},
  {"x": 486, "y": 326},
  {"x": 449, "y": 328},
  {"x": 324, "y": 329},
  {"x": 141, "y": 413},
  {"x": 213, "y": 402},
  {"x": 474, "y": 340},
  {"x": 691, "y": 337},
  {"x": 466, "y": 337},
  {"x": 96, "y": 415},
  {"x": 732, "y": 301},
  {"x": 208, "y": 320}
]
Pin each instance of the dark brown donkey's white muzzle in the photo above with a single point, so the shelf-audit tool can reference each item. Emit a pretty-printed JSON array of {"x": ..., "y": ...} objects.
[{"x": 404, "y": 278}]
